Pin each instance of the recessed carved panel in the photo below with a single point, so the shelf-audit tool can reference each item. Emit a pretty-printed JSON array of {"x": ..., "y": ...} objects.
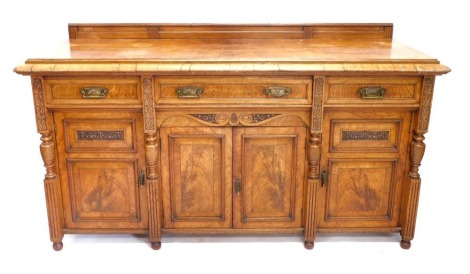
[
  {"x": 317, "y": 109},
  {"x": 149, "y": 105},
  {"x": 100, "y": 135},
  {"x": 425, "y": 109},
  {"x": 365, "y": 135},
  {"x": 39, "y": 106}
]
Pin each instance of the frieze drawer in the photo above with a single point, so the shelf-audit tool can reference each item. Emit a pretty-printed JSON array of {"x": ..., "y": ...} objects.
[
  {"x": 372, "y": 90},
  {"x": 234, "y": 90},
  {"x": 93, "y": 91}
]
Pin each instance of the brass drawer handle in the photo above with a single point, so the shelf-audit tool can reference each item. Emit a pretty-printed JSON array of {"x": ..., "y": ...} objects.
[
  {"x": 189, "y": 92},
  {"x": 372, "y": 92},
  {"x": 94, "y": 93},
  {"x": 277, "y": 91}
]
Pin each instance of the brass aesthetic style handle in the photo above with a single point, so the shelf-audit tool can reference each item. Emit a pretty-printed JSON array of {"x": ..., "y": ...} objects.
[
  {"x": 372, "y": 92},
  {"x": 141, "y": 180},
  {"x": 324, "y": 178},
  {"x": 238, "y": 186},
  {"x": 189, "y": 92},
  {"x": 94, "y": 92},
  {"x": 277, "y": 91}
]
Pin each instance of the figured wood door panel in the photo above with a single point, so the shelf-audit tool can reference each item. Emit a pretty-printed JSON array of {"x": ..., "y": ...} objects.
[
  {"x": 100, "y": 163},
  {"x": 104, "y": 191},
  {"x": 360, "y": 193},
  {"x": 270, "y": 165},
  {"x": 196, "y": 177}
]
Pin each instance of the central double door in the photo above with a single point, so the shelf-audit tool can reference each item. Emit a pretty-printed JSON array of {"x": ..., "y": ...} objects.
[{"x": 224, "y": 177}]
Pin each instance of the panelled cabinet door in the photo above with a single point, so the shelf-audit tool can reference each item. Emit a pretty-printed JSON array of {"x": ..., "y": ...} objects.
[
  {"x": 197, "y": 177},
  {"x": 364, "y": 169},
  {"x": 269, "y": 170},
  {"x": 101, "y": 165}
]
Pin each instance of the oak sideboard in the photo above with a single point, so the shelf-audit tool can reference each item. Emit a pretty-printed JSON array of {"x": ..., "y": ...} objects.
[{"x": 232, "y": 129}]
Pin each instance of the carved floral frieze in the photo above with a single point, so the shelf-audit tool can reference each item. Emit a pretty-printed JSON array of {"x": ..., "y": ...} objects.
[{"x": 234, "y": 118}]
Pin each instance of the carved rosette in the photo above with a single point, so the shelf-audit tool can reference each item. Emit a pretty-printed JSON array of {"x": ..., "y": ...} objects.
[
  {"x": 317, "y": 109},
  {"x": 149, "y": 109},
  {"x": 234, "y": 118},
  {"x": 426, "y": 100},
  {"x": 39, "y": 105}
]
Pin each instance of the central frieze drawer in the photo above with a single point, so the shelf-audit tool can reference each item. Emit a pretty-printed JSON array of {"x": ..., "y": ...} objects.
[{"x": 234, "y": 90}]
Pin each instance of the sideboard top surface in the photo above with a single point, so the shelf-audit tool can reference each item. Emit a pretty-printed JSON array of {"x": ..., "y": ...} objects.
[{"x": 141, "y": 48}]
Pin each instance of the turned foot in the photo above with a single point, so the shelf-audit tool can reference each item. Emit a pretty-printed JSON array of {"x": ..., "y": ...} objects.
[
  {"x": 405, "y": 245},
  {"x": 57, "y": 246},
  {"x": 156, "y": 245},
  {"x": 308, "y": 245}
]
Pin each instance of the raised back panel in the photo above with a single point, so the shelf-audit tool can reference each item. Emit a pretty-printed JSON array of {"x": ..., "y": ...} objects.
[{"x": 209, "y": 31}]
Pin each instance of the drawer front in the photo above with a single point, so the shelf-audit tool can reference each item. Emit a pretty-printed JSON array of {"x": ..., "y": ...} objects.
[
  {"x": 100, "y": 135},
  {"x": 234, "y": 90},
  {"x": 372, "y": 90},
  {"x": 98, "y": 132},
  {"x": 367, "y": 131},
  {"x": 93, "y": 91}
]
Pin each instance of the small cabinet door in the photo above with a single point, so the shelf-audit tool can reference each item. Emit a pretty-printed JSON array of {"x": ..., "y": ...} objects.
[
  {"x": 101, "y": 163},
  {"x": 364, "y": 163},
  {"x": 269, "y": 171},
  {"x": 197, "y": 177}
]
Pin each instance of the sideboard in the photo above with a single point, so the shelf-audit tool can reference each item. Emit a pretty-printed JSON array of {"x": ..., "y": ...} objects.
[{"x": 232, "y": 129}]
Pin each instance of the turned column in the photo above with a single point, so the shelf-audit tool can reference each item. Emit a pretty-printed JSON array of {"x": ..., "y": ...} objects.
[
  {"x": 313, "y": 152},
  {"x": 151, "y": 156},
  {"x": 413, "y": 182},
  {"x": 48, "y": 153}
]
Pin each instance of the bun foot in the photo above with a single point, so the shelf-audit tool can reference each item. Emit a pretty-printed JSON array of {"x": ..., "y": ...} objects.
[
  {"x": 57, "y": 246},
  {"x": 405, "y": 245},
  {"x": 156, "y": 245},
  {"x": 308, "y": 245}
]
